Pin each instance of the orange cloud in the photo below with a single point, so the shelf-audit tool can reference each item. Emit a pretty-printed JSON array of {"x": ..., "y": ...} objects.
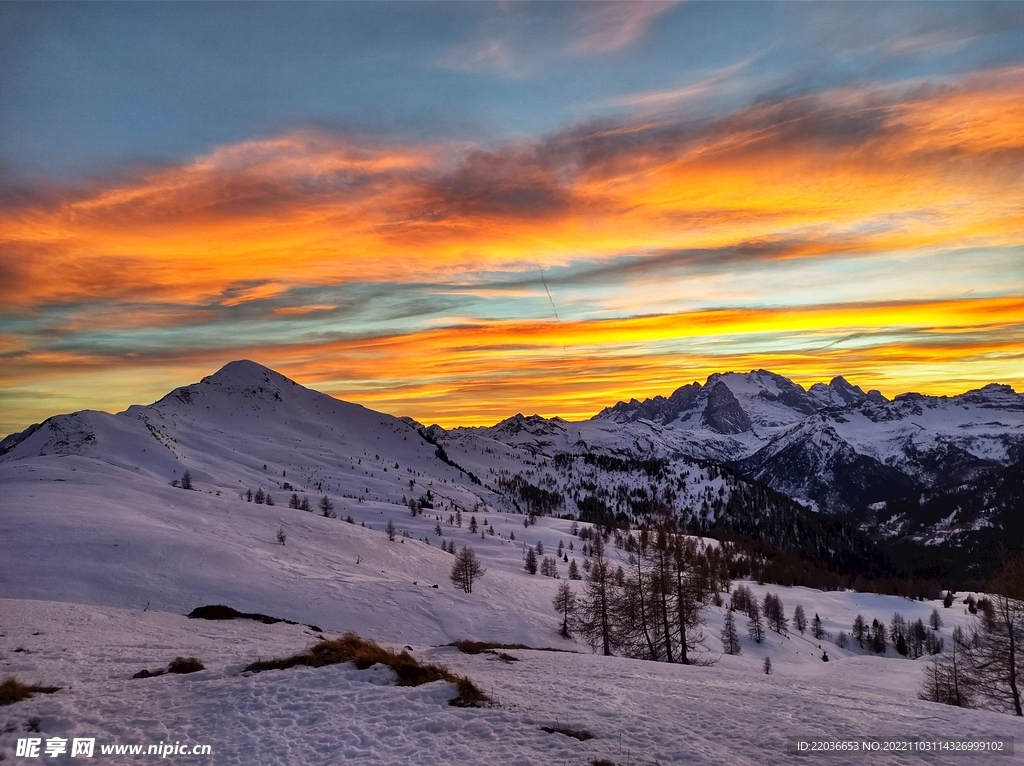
[{"x": 863, "y": 170}]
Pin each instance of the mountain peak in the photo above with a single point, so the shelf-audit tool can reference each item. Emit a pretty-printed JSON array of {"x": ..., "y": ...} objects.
[{"x": 243, "y": 371}]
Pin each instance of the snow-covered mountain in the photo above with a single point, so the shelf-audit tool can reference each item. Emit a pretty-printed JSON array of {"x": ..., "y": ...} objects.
[
  {"x": 831, "y": 446},
  {"x": 249, "y": 429}
]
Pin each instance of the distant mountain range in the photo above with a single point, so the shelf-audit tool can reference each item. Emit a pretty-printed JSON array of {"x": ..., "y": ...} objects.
[{"x": 918, "y": 470}]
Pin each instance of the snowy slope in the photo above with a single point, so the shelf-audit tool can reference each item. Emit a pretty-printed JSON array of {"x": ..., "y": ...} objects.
[
  {"x": 100, "y": 558},
  {"x": 637, "y": 712}
]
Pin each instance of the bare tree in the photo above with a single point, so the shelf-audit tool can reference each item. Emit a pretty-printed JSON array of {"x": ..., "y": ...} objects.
[
  {"x": 995, "y": 650},
  {"x": 594, "y": 610},
  {"x": 466, "y": 569},
  {"x": 947, "y": 678},
  {"x": 391, "y": 530}
]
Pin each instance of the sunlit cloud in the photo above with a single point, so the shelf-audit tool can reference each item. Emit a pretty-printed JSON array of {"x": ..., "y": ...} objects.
[{"x": 425, "y": 278}]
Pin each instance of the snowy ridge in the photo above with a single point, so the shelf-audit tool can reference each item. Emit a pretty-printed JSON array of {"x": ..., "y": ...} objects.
[{"x": 747, "y": 420}]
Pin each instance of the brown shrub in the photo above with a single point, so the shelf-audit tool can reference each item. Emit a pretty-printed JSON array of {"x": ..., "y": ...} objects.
[{"x": 12, "y": 690}]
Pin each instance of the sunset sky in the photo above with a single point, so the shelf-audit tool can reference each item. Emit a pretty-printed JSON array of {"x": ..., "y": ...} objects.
[{"x": 460, "y": 211}]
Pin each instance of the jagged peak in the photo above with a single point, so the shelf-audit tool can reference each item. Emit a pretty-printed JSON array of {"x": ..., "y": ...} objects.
[{"x": 839, "y": 382}]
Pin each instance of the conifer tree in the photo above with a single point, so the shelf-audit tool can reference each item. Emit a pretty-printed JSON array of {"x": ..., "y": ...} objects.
[
  {"x": 531, "y": 561},
  {"x": 817, "y": 629},
  {"x": 756, "y": 626},
  {"x": 799, "y": 619},
  {"x": 730, "y": 639},
  {"x": 594, "y": 610},
  {"x": 565, "y": 604},
  {"x": 326, "y": 507},
  {"x": 574, "y": 571}
]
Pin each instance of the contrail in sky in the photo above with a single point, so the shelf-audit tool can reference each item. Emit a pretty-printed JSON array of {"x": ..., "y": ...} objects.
[{"x": 545, "y": 283}]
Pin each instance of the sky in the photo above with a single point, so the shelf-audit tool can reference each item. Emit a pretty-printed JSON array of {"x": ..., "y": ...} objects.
[{"x": 460, "y": 211}]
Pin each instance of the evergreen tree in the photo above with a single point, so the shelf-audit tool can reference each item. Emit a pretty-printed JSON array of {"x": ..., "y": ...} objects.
[
  {"x": 260, "y": 496},
  {"x": 472, "y": 524},
  {"x": 800, "y": 619},
  {"x": 565, "y": 604},
  {"x": 304, "y": 505},
  {"x": 756, "y": 626},
  {"x": 326, "y": 507},
  {"x": 390, "y": 530},
  {"x": 817, "y": 629},
  {"x": 574, "y": 571},
  {"x": 730, "y": 639},
  {"x": 878, "y": 638},
  {"x": 186, "y": 481},
  {"x": 860, "y": 630},
  {"x": 775, "y": 613},
  {"x": 531, "y": 561},
  {"x": 293, "y": 501},
  {"x": 548, "y": 567}
]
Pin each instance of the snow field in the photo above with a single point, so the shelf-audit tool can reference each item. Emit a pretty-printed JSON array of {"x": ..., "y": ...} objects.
[{"x": 638, "y": 712}]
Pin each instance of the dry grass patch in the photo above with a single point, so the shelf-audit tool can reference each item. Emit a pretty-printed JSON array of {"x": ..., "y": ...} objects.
[
  {"x": 581, "y": 734},
  {"x": 479, "y": 647},
  {"x": 364, "y": 654},
  {"x": 178, "y": 665},
  {"x": 185, "y": 665},
  {"x": 12, "y": 690}
]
